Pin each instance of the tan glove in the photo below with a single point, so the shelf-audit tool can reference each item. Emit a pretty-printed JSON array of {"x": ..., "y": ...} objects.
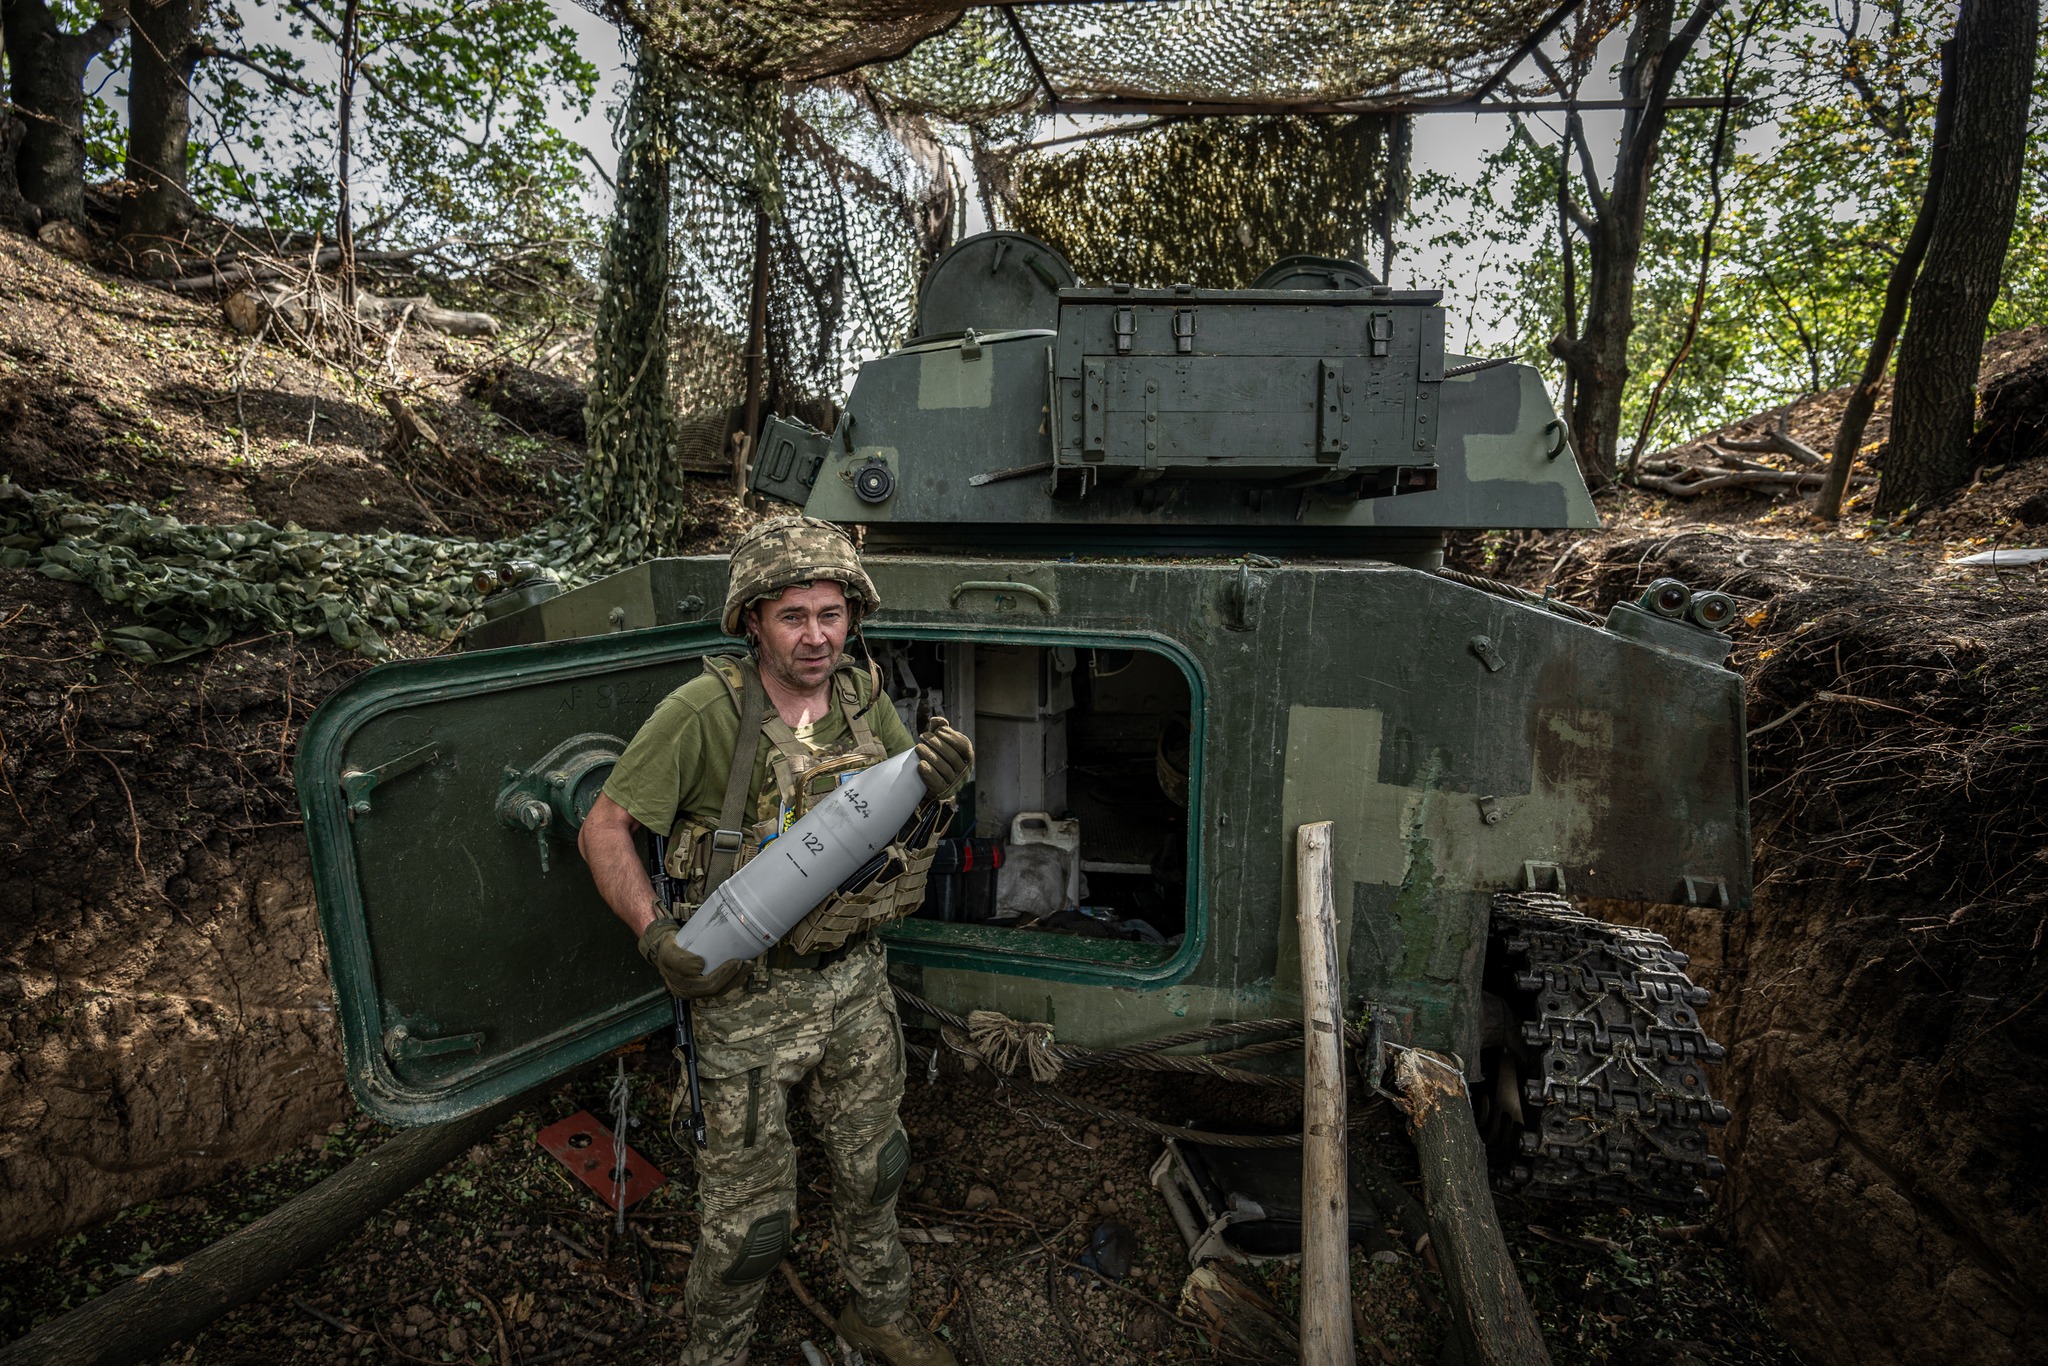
[
  {"x": 682, "y": 970},
  {"x": 944, "y": 758}
]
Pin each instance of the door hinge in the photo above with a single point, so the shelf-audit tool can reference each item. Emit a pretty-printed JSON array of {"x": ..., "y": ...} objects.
[
  {"x": 1330, "y": 414},
  {"x": 358, "y": 783},
  {"x": 402, "y": 1045}
]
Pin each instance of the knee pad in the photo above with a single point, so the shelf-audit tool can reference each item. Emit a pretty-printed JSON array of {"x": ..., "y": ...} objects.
[
  {"x": 760, "y": 1251},
  {"x": 892, "y": 1164}
]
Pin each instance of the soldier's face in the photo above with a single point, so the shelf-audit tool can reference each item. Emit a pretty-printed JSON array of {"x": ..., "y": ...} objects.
[{"x": 801, "y": 634}]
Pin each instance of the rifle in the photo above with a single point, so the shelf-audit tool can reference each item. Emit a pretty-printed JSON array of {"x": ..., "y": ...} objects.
[{"x": 686, "y": 1033}]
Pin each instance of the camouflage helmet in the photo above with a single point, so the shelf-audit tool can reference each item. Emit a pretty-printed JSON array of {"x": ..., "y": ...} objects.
[{"x": 788, "y": 551}]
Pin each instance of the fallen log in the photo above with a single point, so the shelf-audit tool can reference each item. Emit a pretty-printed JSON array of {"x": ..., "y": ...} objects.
[
  {"x": 1325, "y": 1210},
  {"x": 1777, "y": 442},
  {"x": 247, "y": 310},
  {"x": 254, "y": 268},
  {"x": 1797, "y": 480},
  {"x": 166, "y": 1303},
  {"x": 420, "y": 309},
  {"x": 1489, "y": 1312}
]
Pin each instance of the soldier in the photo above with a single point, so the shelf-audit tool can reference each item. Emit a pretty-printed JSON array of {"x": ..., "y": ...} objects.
[{"x": 725, "y": 764}]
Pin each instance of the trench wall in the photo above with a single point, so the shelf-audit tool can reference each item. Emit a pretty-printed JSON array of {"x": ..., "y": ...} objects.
[{"x": 146, "y": 1050}]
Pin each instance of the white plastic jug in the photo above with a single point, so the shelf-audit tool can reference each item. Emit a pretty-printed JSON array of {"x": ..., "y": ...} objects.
[{"x": 1038, "y": 827}]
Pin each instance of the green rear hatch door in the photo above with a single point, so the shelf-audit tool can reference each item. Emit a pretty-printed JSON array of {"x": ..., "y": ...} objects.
[{"x": 472, "y": 958}]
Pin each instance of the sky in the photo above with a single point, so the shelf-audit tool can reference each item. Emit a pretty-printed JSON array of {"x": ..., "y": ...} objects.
[{"x": 1452, "y": 143}]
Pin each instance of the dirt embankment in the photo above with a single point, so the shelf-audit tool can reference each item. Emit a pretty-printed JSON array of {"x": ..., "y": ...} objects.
[
  {"x": 164, "y": 1009},
  {"x": 165, "y": 1015},
  {"x": 1883, "y": 999}
]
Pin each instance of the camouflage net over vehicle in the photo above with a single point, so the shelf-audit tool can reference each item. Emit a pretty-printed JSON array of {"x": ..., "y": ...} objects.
[
  {"x": 815, "y": 148},
  {"x": 836, "y": 131}
]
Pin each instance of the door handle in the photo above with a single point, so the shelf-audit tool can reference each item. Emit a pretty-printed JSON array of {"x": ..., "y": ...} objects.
[{"x": 1003, "y": 589}]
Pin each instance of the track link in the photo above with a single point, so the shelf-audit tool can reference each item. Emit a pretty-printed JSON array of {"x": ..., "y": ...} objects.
[{"x": 1613, "y": 1080}]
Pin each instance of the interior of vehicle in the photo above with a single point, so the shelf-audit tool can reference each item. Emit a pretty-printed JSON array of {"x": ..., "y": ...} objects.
[{"x": 1076, "y": 820}]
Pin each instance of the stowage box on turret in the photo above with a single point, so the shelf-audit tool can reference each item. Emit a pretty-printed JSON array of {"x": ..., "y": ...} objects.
[{"x": 1172, "y": 558}]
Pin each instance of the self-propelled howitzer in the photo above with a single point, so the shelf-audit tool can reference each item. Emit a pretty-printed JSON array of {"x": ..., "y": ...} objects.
[{"x": 1172, "y": 558}]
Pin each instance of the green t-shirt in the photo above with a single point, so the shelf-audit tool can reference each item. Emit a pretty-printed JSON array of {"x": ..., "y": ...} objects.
[{"x": 678, "y": 762}]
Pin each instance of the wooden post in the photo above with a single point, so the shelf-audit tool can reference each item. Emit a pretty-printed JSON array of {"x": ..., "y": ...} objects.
[
  {"x": 139, "y": 1320},
  {"x": 756, "y": 357},
  {"x": 1325, "y": 1212},
  {"x": 1492, "y": 1316}
]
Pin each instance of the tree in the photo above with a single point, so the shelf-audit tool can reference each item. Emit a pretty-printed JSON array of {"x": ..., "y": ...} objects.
[
  {"x": 159, "y": 113},
  {"x": 456, "y": 116},
  {"x": 1863, "y": 398},
  {"x": 1934, "y": 399},
  {"x": 1612, "y": 221},
  {"x": 170, "y": 42},
  {"x": 1829, "y": 162},
  {"x": 46, "y": 63}
]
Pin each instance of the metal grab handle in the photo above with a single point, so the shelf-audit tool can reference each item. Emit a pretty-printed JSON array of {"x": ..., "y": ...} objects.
[
  {"x": 1555, "y": 428},
  {"x": 1038, "y": 595}
]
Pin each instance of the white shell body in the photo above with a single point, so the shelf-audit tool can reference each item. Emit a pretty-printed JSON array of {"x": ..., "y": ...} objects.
[{"x": 752, "y": 909}]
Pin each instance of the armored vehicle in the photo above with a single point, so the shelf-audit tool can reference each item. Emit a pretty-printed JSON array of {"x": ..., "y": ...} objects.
[{"x": 1173, "y": 558}]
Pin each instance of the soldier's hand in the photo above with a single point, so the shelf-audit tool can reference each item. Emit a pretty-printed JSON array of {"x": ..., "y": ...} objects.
[
  {"x": 944, "y": 758},
  {"x": 681, "y": 970}
]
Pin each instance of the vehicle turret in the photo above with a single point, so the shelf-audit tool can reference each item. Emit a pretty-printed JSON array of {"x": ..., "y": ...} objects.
[{"x": 1316, "y": 413}]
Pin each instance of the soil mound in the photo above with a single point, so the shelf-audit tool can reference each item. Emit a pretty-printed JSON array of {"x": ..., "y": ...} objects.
[
  {"x": 120, "y": 392},
  {"x": 164, "y": 1009}
]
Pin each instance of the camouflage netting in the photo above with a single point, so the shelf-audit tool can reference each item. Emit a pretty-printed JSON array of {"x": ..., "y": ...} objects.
[
  {"x": 847, "y": 128},
  {"x": 200, "y": 586},
  {"x": 828, "y": 145},
  {"x": 1138, "y": 209}
]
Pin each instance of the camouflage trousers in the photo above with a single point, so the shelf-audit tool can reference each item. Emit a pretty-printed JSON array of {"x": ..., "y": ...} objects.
[{"x": 834, "y": 1031}]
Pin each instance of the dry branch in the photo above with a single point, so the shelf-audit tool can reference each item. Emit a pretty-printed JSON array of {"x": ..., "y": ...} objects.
[
  {"x": 253, "y": 268},
  {"x": 1778, "y": 442},
  {"x": 1491, "y": 1315},
  {"x": 138, "y": 1320},
  {"x": 1739, "y": 479}
]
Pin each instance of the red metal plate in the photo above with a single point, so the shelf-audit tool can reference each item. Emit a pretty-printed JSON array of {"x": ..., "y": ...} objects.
[{"x": 584, "y": 1146}]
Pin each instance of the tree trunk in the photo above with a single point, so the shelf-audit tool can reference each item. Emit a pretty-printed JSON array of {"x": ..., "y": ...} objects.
[
  {"x": 14, "y": 210},
  {"x": 160, "y": 120},
  {"x": 1934, "y": 398},
  {"x": 344, "y": 228},
  {"x": 138, "y": 1320},
  {"x": 1863, "y": 398},
  {"x": 48, "y": 71},
  {"x": 1598, "y": 356}
]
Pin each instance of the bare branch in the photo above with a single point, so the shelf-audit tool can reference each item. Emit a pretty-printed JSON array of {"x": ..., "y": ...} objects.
[
  {"x": 1576, "y": 127},
  {"x": 1582, "y": 220},
  {"x": 209, "y": 51}
]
